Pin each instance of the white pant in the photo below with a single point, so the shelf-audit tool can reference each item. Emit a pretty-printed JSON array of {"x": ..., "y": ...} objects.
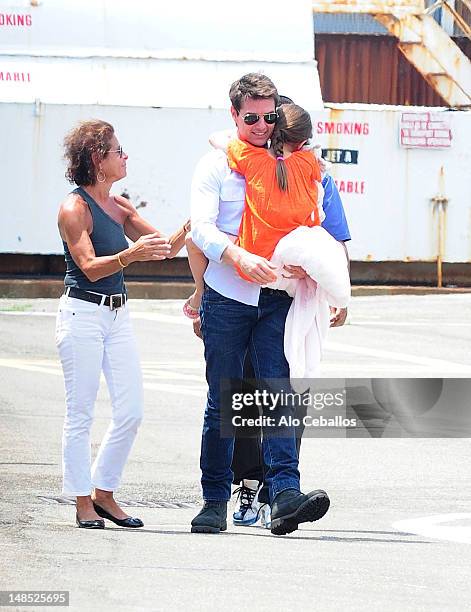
[{"x": 91, "y": 339}]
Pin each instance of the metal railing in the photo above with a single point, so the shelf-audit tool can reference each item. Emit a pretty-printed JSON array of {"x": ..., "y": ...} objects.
[{"x": 459, "y": 10}]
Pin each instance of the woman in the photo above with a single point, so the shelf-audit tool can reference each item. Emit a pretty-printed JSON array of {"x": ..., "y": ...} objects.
[{"x": 93, "y": 331}]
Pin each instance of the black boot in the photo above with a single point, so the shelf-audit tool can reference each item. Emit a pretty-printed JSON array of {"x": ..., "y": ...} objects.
[
  {"x": 291, "y": 507},
  {"x": 212, "y": 518}
]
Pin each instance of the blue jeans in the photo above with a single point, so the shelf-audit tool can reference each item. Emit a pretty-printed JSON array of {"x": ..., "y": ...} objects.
[{"x": 229, "y": 330}]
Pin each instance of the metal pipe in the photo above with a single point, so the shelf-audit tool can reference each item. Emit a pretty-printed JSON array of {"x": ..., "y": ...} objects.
[
  {"x": 440, "y": 246},
  {"x": 440, "y": 203}
]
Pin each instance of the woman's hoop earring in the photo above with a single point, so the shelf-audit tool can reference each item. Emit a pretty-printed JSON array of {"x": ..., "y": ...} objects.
[{"x": 101, "y": 176}]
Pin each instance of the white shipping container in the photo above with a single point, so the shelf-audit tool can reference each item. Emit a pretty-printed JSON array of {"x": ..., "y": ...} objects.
[
  {"x": 152, "y": 53},
  {"x": 161, "y": 73},
  {"x": 387, "y": 194},
  {"x": 260, "y": 30}
]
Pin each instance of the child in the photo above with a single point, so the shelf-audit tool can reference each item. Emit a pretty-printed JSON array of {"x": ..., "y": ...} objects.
[{"x": 283, "y": 191}]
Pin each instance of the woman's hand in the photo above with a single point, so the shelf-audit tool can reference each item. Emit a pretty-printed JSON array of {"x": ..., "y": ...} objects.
[{"x": 150, "y": 247}]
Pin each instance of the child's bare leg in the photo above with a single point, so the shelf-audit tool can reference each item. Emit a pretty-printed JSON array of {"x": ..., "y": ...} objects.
[{"x": 198, "y": 264}]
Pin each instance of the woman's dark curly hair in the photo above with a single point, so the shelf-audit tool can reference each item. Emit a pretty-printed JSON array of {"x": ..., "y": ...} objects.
[{"x": 80, "y": 143}]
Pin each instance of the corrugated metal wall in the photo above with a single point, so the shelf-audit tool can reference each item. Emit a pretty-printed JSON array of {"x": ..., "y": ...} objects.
[
  {"x": 348, "y": 23},
  {"x": 372, "y": 70}
]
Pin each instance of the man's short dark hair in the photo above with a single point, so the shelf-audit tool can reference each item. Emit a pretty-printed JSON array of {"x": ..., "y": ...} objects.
[{"x": 253, "y": 85}]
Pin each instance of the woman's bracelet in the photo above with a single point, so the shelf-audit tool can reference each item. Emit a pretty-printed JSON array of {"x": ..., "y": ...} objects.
[{"x": 120, "y": 262}]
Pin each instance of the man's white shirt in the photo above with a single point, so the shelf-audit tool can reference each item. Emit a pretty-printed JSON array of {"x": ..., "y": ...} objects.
[{"x": 217, "y": 205}]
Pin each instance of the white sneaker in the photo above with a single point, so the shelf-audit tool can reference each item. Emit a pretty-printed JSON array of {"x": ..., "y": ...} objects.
[
  {"x": 249, "y": 508},
  {"x": 265, "y": 516}
]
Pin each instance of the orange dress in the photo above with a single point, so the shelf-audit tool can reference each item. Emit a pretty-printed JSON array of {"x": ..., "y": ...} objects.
[{"x": 270, "y": 213}]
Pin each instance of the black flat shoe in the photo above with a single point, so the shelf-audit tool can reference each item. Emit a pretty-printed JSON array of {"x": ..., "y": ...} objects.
[
  {"x": 127, "y": 522},
  {"x": 96, "y": 524}
]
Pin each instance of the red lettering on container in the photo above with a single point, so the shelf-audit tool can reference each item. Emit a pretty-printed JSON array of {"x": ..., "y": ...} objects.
[
  {"x": 16, "y": 20},
  {"x": 329, "y": 128},
  {"x": 18, "y": 77},
  {"x": 343, "y": 127},
  {"x": 356, "y": 187}
]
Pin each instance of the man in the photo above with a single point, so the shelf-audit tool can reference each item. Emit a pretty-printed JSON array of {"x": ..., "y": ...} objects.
[
  {"x": 247, "y": 462},
  {"x": 237, "y": 317}
]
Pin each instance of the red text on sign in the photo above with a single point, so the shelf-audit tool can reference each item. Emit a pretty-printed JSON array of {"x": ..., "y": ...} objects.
[
  {"x": 357, "y": 187},
  {"x": 343, "y": 127},
  {"x": 15, "y": 20},
  {"x": 18, "y": 77}
]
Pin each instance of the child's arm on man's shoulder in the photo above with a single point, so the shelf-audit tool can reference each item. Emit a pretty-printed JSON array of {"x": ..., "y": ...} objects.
[
  {"x": 222, "y": 138},
  {"x": 238, "y": 151}
]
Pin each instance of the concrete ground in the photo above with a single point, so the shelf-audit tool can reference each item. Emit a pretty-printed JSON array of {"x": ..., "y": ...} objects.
[{"x": 396, "y": 537}]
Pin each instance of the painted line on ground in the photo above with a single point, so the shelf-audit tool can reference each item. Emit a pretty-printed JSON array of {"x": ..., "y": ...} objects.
[
  {"x": 14, "y": 313},
  {"x": 448, "y": 367},
  {"x": 434, "y": 527},
  {"x": 177, "y": 319},
  {"x": 145, "y": 316},
  {"x": 182, "y": 320},
  {"x": 379, "y": 322},
  {"x": 54, "y": 369}
]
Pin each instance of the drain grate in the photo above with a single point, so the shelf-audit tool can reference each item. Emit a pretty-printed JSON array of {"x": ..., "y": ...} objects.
[
  {"x": 25, "y": 463},
  {"x": 151, "y": 503}
]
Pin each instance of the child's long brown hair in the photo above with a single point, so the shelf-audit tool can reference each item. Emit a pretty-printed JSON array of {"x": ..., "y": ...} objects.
[{"x": 293, "y": 126}]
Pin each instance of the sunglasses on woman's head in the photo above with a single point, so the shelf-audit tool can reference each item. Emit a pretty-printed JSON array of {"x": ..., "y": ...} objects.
[{"x": 252, "y": 118}]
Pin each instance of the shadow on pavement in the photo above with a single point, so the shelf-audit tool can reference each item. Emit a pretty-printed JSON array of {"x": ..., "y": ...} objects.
[{"x": 292, "y": 537}]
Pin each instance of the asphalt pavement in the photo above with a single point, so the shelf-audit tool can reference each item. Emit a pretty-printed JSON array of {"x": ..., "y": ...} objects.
[{"x": 397, "y": 536}]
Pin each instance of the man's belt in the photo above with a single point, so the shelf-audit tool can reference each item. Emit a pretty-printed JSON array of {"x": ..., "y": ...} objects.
[{"x": 268, "y": 291}]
